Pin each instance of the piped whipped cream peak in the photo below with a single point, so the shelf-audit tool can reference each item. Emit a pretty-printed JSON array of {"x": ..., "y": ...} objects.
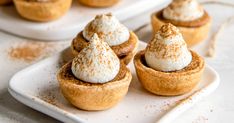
[
  {"x": 96, "y": 63},
  {"x": 183, "y": 10},
  {"x": 108, "y": 28},
  {"x": 167, "y": 51}
]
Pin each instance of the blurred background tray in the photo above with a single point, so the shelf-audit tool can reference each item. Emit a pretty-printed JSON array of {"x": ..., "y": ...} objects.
[{"x": 69, "y": 25}]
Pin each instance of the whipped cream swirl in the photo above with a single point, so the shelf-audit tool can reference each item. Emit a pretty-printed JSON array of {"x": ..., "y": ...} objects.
[
  {"x": 183, "y": 10},
  {"x": 96, "y": 63},
  {"x": 108, "y": 28},
  {"x": 168, "y": 50}
]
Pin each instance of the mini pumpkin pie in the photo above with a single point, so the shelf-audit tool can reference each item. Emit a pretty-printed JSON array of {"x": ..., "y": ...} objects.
[
  {"x": 42, "y": 10},
  {"x": 122, "y": 41},
  {"x": 95, "y": 79},
  {"x": 5, "y": 2},
  {"x": 99, "y": 3},
  {"x": 166, "y": 67},
  {"x": 192, "y": 20}
]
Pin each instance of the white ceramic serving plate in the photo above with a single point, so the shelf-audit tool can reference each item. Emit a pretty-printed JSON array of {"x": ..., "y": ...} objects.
[
  {"x": 37, "y": 87},
  {"x": 73, "y": 22}
]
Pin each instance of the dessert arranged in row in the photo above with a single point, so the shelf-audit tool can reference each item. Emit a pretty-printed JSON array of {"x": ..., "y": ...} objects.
[
  {"x": 48, "y": 10},
  {"x": 98, "y": 78},
  {"x": 188, "y": 15}
]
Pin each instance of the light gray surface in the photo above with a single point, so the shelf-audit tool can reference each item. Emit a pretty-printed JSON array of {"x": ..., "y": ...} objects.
[{"x": 218, "y": 107}]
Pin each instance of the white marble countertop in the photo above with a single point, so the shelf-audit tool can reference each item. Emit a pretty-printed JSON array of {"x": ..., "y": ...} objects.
[{"x": 216, "y": 108}]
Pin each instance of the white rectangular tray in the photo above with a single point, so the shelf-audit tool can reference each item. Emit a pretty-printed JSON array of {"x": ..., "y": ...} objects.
[
  {"x": 37, "y": 87},
  {"x": 73, "y": 22}
]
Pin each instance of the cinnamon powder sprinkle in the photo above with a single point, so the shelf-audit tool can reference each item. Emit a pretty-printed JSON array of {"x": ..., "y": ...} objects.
[
  {"x": 28, "y": 51},
  {"x": 49, "y": 98}
]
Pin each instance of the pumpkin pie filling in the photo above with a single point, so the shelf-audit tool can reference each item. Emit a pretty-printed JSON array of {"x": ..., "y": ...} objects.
[
  {"x": 66, "y": 74},
  {"x": 194, "y": 23},
  {"x": 169, "y": 83},
  {"x": 196, "y": 65},
  {"x": 93, "y": 96},
  {"x": 121, "y": 50}
]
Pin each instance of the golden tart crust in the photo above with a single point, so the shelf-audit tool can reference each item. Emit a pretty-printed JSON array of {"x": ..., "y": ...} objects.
[
  {"x": 124, "y": 51},
  {"x": 99, "y": 3},
  {"x": 193, "y": 31},
  {"x": 169, "y": 83},
  {"x": 5, "y": 2},
  {"x": 42, "y": 11},
  {"x": 93, "y": 96}
]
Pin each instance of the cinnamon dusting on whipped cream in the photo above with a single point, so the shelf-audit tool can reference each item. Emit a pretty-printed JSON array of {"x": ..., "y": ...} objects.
[
  {"x": 167, "y": 51},
  {"x": 96, "y": 63},
  {"x": 168, "y": 31},
  {"x": 183, "y": 10},
  {"x": 108, "y": 29}
]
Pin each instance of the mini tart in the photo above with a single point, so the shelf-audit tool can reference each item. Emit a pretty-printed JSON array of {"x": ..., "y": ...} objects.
[
  {"x": 193, "y": 31},
  {"x": 5, "y": 2},
  {"x": 169, "y": 83},
  {"x": 99, "y": 3},
  {"x": 124, "y": 51},
  {"x": 93, "y": 96},
  {"x": 42, "y": 11}
]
